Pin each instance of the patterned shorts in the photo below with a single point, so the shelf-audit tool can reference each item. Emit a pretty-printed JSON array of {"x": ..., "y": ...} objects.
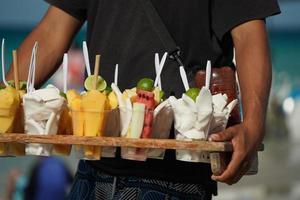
[{"x": 90, "y": 184}]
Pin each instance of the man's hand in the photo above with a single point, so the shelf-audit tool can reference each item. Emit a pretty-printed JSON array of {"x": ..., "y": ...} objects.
[
  {"x": 254, "y": 72},
  {"x": 244, "y": 149}
]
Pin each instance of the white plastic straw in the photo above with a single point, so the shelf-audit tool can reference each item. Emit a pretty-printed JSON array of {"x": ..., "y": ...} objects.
[
  {"x": 3, "y": 63},
  {"x": 31, "y": 71},
  {"x": 184, "y": 78},
  {"x": 65, "y": 72},
  {"x": 116, "y": 74},
  {"x": 86, "y": 58},
  {"x": 233, "y": 59},
  {"x": 208, "y": 74},
  {"x": 159, "y": 65}
]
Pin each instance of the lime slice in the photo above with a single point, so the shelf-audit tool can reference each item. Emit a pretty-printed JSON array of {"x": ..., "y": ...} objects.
[
  {"x": 108, "y": 90},
  {"x": 193, "y": 93},
  {"x": 162, "y": 95},
  {"x": 89, "y": 81},
  {"x": 146, "y": 84},
  {"x": 63, "y": 94}
]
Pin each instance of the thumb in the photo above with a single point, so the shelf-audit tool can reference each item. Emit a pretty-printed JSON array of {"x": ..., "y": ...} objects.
[{"x": 223, "y": 136}]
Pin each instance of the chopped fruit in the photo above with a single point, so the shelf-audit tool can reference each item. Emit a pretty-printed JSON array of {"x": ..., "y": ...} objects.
[
  {"x": 93, "y": 106},
  {"x": 63, "y": 95},
  {"x": 193, "y": 93},
  {"x": 101, "y": 83},
  {"x": 157, "y": 98},
  {"x": 112, "y": 100},
  {"x": 146, "y": 84}
]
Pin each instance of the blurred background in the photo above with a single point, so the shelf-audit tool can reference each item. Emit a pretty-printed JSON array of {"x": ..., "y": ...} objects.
[{"x": 278, "y": 176}]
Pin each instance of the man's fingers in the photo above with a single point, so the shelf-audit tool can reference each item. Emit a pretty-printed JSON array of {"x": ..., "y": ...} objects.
[
  {"x": 233, "y": 168},
  {"x": 241, "y": 173},
  {"x": 223, "y": 136}
]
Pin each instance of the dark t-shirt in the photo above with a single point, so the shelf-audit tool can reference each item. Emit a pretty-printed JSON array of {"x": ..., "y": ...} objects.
[{"x": 120, "y": 31}]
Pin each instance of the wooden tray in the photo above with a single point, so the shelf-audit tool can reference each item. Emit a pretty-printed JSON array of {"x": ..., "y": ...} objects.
[{"x": 219, "y": 151}]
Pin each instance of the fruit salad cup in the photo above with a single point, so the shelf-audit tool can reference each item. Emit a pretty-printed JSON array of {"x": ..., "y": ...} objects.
[
  {"x": 64, "y": 128},
  {"x": 88, "y": 119},
  {"x": 137, "y": 113},
  {"x": 162, "y": 124},
  {"x": 42, "y": 110},
  {"x": 193, "y": 114},
  {"x": 9, "y": 105},
  {"x": 112, "y": 127}
]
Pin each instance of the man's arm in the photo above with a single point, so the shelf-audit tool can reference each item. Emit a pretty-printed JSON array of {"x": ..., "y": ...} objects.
[
  {"x": 255, "y": 74},
  {"x": 54, "y": 34}
]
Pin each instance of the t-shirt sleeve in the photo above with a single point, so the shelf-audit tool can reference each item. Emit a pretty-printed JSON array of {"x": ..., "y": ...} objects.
[
  {"x": 227, "y": 14},
  {"x": 75, "y": 8}
]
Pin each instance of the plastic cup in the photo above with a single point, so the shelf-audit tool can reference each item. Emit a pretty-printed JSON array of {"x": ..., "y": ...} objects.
[
  {"x": 9, "y": 125},
  {"x": 17, "y": 149},
  {"x": 162, "y": 125},
  {"x": 188, "y": 155},
  {"x": 137, "y": 129},
  {"x": 64, "y": 128},
  {"x": 112, "y": 128},
  {"x": 91, "y": 124}
]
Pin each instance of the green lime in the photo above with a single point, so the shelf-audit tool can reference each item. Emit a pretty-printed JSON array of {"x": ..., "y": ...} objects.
[
  {"x": 193, "y": 93},
  {"x": 146, "y": 84},
  {"x": 108, "y": 90},
  {"x": 2, "y": 87},
  {"x": 63, "y": 94},
  {"x": 162, "y": 95},
  {"x": 89, "y": 81}
]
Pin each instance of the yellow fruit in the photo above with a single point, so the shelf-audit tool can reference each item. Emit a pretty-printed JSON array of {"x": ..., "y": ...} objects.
[
  {"x": 9, "y": 104},
  {"x": 157, "y": 97},
  {"x": 77, "y": 116},
  {"x": 113, "y": 100},
  {"x": 93, "y": 106},
  {"x": 63, "y": 129},
  {"x": 71, "y": 95}
]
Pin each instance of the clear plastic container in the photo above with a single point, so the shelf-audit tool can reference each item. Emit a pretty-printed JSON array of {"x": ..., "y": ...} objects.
[
  {"x": 91, "y": 124},
  {"x": 17, "y": 149},
  {"x": 140, "y": 127},
  {"x": 161, "y": 129},
  {"x": 64, "y": 128},
  {"x": 16, "y": 125},
  {"x": 193, "y": 135},
  {"x": 46, "y": 127},
  {"x": 112, "y": 128}
]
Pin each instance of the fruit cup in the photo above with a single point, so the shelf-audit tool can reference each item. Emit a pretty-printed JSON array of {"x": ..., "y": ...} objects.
[
  {"x": 88, "y": 123},
  {"x": 162, "y": 124},
  {"x": 9, "y": 105},
  {"x": 135, "y": 130},
  {"x": 111, "y": 129}
]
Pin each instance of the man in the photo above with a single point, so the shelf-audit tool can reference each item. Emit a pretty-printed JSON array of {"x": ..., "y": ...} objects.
[{"x": 121, "y": 33}]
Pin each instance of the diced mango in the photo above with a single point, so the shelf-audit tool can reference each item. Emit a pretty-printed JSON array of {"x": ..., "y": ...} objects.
[
  {"x": 63, "y": 129},
  {"x": 112, "y": 100},
  {"x": 93, "y": 105},
  {"x": 9, "y": 104}
]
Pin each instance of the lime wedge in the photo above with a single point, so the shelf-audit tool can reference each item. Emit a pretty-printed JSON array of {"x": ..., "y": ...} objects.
[
  {"x": 193, "y": 93},
  {"x": 62, "y": 94},
  {"x": 89, "y": 81},
  {"x": 162, "y": 95},
  {"x": 146, "y": 84},
  {"x": 108, "y": 90}
]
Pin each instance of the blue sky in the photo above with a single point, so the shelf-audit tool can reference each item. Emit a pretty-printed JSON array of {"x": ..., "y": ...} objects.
[{"x": 26, "y": 13}]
